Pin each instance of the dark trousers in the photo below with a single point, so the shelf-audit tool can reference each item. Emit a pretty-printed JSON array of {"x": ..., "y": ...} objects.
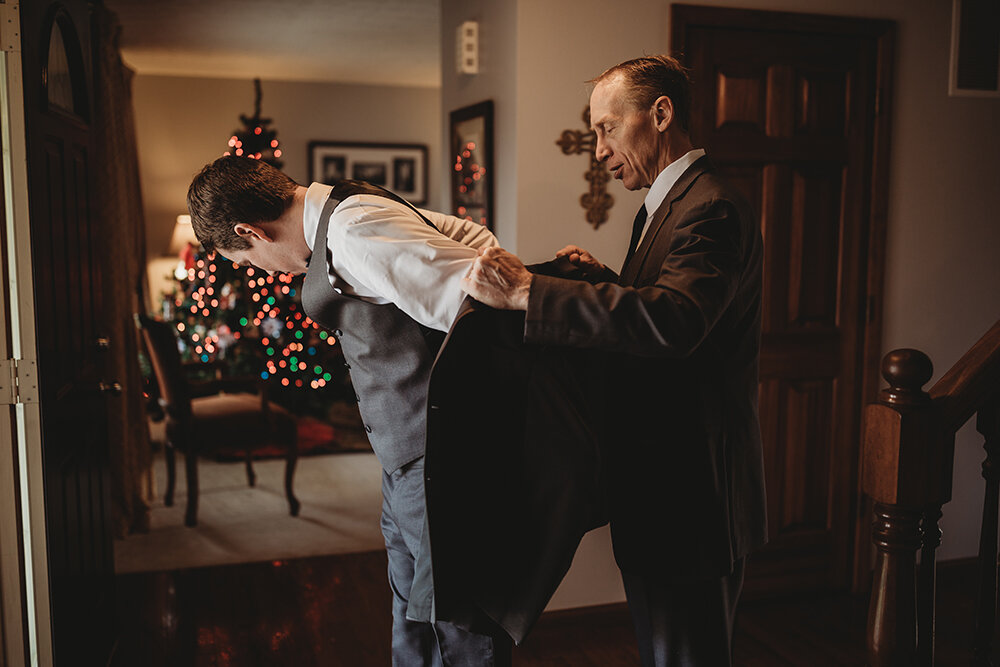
[
  {"x": 418, "y": 643},
  {"x": 684, "y": 624}
]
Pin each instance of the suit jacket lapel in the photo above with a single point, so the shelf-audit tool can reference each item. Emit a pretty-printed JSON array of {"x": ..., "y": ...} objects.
[{"x": 631, "y": 271}]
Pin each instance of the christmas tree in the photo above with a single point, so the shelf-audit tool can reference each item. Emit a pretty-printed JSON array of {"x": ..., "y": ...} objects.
[
  {"x": 245, "y": 323},
  {"x": 248, "y": 324}
]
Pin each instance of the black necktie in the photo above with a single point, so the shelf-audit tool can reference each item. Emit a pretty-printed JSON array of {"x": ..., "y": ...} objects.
[{"x": 637, "y": 225}]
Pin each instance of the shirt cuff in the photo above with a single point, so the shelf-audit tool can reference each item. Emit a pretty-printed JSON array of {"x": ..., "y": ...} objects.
[{"x": 541, "y": 325}]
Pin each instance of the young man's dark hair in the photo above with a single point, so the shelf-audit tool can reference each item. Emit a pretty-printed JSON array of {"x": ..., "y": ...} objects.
[
  {"x": 236, "y": 189},
  {"x": 652, "y": 76}
]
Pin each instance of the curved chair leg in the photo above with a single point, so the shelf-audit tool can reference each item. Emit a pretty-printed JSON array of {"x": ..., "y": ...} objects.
[
  {"x": 191, "y": 473},
  {"x": 290, "y": 460},
  {"x": 251, "y": 476},
  {"x": 168, "y": 454}
]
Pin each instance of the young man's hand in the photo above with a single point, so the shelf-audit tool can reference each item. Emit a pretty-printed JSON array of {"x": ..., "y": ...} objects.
[{"x": 498, "y": 279}]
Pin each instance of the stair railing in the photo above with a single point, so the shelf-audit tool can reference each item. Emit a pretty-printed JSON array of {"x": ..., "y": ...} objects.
[{"x": 909, "y": 448}]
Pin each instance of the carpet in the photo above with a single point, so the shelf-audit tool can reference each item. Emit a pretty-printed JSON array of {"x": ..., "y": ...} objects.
[
  {"x": 341, "y": 498},
  {"x": 341, "y": 431}
]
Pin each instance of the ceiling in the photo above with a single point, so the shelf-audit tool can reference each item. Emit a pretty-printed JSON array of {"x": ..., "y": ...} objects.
[{"x": 382, "y": 42}]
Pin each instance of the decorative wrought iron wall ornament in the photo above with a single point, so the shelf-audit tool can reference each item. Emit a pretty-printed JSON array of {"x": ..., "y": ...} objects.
[{"x": 596, "y": 201}]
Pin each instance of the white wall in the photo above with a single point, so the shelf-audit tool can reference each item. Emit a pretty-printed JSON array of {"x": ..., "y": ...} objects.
[
  {"x": 497, "y": 80},
  {"x": 942, "y": 289},
  {"x": 563, "y": 45},
  {"x": 942, "y": 283},
  {"x": 183, "y": 123}
]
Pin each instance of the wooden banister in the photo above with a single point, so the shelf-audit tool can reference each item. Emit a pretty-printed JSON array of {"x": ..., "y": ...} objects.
[
  {"x": 907, "y": 471},
  {"x": 988, "y": 424},
  {"x": 964, "y": 388}
]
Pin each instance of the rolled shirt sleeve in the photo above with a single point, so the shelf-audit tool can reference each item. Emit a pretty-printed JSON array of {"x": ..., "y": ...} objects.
[
  {"x": 464, "y": 231},
  {"x": 392, "y": 255}
]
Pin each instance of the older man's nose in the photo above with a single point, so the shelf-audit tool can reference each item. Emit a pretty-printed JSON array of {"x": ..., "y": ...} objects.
[{"x": 601, "y": 151}]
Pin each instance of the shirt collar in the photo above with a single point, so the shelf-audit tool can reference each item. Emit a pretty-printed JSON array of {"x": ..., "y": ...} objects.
[
  {"x": 667, "y": 178},
  {"x": 316, "y": 196}
]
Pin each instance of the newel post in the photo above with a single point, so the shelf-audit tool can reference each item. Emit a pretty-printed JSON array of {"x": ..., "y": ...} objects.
[
  {"x": 907, "y": 473},
  {"x": 988, "y": 423}
]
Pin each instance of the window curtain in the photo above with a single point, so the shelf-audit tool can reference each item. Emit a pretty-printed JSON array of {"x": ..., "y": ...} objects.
[{"x": 123, "y": 249}]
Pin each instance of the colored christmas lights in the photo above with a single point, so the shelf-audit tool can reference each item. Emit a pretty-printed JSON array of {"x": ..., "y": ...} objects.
[
  {"x": 467, "y": 171},
  {"x": 215, "y": 305}
]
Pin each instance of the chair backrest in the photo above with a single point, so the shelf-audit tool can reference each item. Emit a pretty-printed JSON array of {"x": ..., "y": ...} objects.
[{"x": 161, "y": 345}]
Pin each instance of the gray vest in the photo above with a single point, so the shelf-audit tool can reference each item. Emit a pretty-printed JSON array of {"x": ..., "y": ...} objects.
[{"x": 389, "y": 355}]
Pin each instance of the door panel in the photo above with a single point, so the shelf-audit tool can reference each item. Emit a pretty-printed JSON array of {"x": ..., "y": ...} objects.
[
  {"x": 58, "y": 93},
  {"x": 785, "y": 106}
]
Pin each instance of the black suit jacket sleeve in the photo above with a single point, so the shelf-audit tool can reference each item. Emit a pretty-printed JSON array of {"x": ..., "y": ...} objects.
[{"x": 696, "y": 283}]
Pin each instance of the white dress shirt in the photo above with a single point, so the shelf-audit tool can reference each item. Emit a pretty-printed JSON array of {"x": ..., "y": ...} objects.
[
  {"x": 666, "y": 180},
  {"x": 382, "y": 252}
]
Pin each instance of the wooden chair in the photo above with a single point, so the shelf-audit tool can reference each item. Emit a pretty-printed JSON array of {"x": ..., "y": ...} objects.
[{"x": 198, "y": 423}]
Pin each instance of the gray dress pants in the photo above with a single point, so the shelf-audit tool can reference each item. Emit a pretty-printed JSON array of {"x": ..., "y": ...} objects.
[{"x": 418, "y": 643}]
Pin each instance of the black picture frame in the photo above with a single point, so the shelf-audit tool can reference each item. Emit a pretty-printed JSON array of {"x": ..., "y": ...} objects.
[
  {"x": 471, "y": 163},
  {"x": 974, "y": 65},
  {"x": 401, "y": 168}
]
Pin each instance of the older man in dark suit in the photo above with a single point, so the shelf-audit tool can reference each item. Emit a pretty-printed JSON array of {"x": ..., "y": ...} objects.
[{"x": 684, "y": 464}]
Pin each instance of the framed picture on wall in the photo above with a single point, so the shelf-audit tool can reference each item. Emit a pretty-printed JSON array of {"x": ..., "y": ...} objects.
[
  {"x": 471, "y": 165},
  {"x": 975, "y": 49},
  {"x": 401, "y": 168}
]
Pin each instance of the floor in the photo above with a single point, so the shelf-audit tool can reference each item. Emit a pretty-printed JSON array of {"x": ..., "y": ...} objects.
[
  {"x": 333, "y": 610},
  {"x": 191, "y": 598},
  {"x": 341, "y": 496}
]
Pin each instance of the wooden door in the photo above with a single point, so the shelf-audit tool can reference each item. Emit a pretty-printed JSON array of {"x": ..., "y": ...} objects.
[
  {"x": 792, "y": 108},
  {"x": 58, "y": 89}
]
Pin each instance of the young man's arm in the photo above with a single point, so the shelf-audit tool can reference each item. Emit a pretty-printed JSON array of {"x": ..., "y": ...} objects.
[
  {"x": 464, "y": 231},
  {"x": 393, "y": 254}
]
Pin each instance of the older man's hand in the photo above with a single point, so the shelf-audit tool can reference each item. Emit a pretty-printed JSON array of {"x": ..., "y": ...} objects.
[
  {"x": 581, "y": 258},
  {"x": 498, "y": 279}
]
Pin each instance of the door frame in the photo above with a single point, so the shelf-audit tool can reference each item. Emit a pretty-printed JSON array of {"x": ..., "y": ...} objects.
[
  {"x": 24, "y": 582},
  {"x": 883, "y": 32}
]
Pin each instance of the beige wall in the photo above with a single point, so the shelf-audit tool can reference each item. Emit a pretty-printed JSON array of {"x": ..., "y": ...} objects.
[
  {"x": 497, "y": 80},
  {"x": 183, "y": 123},
  {"x": 942, "y": 282}
]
